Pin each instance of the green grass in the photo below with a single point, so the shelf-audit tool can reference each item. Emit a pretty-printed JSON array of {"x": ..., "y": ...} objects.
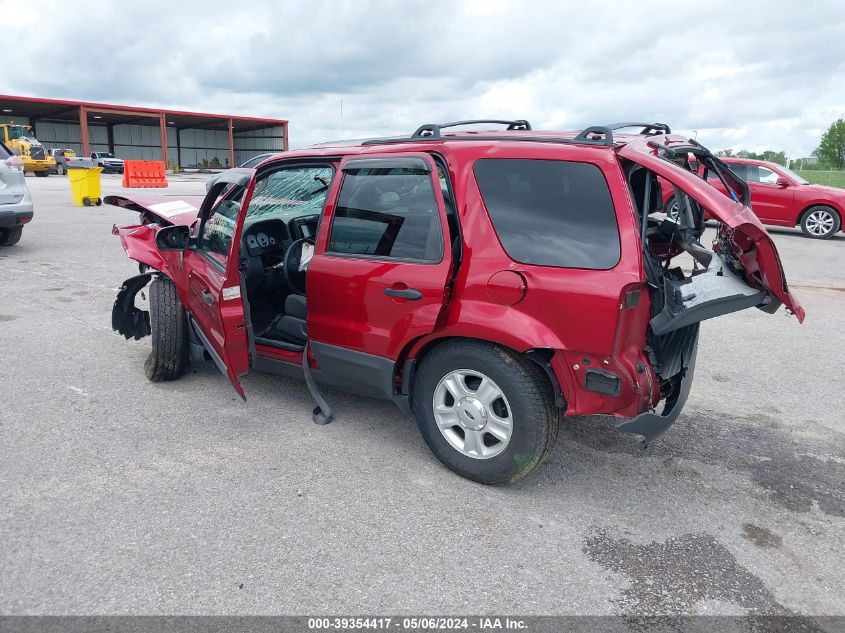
[{"x": 830, "y": 178}]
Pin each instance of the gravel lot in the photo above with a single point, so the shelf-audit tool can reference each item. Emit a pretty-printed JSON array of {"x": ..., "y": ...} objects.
[{"x": 119, "y": 496}]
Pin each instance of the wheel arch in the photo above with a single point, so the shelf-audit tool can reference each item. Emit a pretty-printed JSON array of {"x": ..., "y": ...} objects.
[
  {"x": 406, "y": 367},
  {"x": 819, "y": 203}
]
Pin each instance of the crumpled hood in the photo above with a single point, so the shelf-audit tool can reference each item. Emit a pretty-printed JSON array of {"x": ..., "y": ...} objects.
[{"x": 165, "y": 210}]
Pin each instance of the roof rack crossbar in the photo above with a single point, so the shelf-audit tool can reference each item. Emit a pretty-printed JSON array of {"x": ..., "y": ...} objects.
[
  {"x": 591, "y": 135},
  {"x": 649, "y": 129},
  {"x": 433, "y": 129}
]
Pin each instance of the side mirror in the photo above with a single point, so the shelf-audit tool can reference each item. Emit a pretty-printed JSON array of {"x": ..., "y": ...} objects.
[
  {"x": 783, "y": 182},
  {"x": 173, "y": 238}
]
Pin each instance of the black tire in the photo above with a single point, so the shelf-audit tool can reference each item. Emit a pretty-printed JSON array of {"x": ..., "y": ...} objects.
[
  {"x": 10, "y": 237},
  {"x": 811, "y": 225},
  {"x": 42, "y": 174},
  {"x": 671, "y": 208},
  {"x": 528, "y": 393},
  {"x": 60, "y": 169},
  {"x": 169, "y": 356}
]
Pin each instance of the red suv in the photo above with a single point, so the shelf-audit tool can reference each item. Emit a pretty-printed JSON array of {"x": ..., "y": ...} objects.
[
  {"x": 780, "y": 197},
  {"x": 489, "y": 282}
]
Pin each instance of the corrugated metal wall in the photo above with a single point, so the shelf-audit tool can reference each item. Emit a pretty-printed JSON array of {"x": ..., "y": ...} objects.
[
  {"x": 248, "y": 144},
  {"x": 199, "y": 148},
  {"x": 204, "y": 148}
]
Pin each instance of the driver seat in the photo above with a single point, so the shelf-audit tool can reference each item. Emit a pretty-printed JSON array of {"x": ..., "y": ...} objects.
[{"x": 293, "y": 323}]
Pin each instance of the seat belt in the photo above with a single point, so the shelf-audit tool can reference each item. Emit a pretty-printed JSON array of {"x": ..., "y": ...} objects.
[{"x": 323, "y": 413}]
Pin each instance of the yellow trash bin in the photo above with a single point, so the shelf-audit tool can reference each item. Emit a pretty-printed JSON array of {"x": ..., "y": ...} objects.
[{"x": 85, "y": 185}]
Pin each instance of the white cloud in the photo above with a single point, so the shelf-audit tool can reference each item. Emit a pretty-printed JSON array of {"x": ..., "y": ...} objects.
[{"x": 755, "y": 75}]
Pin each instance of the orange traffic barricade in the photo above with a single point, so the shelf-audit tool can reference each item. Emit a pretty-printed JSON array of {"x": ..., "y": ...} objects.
[{"x": 144, "y": 173}]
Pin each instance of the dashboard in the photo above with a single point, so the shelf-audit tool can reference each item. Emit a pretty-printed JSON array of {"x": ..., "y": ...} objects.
[{"x": 272, "y": 237}]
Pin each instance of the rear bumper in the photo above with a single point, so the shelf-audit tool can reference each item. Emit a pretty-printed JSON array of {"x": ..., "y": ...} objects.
[
  {"x": 651, "y": 425},
  {"x": 17, "y": 214}
]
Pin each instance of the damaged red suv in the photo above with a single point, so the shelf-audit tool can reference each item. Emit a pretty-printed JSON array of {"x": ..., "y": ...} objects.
[{"x": 489, "y": 282}]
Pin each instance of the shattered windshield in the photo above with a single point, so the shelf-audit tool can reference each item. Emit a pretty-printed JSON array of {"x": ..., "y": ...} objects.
[{"x": 289, "y": 193}]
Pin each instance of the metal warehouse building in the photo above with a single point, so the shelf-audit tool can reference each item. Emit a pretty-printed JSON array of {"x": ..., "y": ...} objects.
[{"x": 184, "y": 139}]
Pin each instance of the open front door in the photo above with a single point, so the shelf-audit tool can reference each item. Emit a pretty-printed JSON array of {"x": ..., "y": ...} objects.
[
  {"x": 381, "y": 265},
  {"x": 215, "y": 290}
]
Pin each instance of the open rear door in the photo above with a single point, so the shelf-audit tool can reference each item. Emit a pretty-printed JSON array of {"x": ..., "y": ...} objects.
[{"x": 215, "y": 289}]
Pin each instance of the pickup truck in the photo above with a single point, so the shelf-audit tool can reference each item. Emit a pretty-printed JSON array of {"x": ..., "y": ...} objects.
[{"x": 108, "y": 161}]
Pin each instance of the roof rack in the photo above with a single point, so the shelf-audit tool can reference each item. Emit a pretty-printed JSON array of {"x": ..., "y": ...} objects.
[
  {"x": 649, "y": 129},
  {"x": 433, "y": 129},
  {"x": 593, "y": 135}
]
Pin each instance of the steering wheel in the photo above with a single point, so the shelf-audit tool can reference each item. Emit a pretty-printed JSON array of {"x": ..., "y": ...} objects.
[{"x": 293, "y": 267}]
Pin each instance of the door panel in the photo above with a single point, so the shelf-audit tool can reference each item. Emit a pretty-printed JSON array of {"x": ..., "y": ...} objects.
[
  {"x": 382, "y": 257},
  {"x": 214, "y": 279}
]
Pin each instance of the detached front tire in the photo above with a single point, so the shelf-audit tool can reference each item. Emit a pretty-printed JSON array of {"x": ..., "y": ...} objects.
[
  {"x": 169, "y": 329},
  {"x": 820, "y": 222},
  {"x": 486, "y": 412}
]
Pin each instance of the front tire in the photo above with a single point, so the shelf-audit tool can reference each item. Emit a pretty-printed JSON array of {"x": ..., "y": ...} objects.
[
  {"x": 486, "y": 412},
  {"x": 169, "y": 356},
  {"x": 820, "y": 222},
  {"x": 60, "y": 169},
  {"x": 42, "y": 174}
]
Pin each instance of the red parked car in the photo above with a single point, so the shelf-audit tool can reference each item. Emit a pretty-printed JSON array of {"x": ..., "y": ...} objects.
[
  {"x": 780, "y": 197},
  {"x": 487, "y": 282}
]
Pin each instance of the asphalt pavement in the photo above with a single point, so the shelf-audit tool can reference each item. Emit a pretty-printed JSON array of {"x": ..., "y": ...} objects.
[{"x": 119, "y": 496}]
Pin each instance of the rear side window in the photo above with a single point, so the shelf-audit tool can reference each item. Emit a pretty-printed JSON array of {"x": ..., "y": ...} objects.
[
  {"x": 387, "y": 212},
  {"x": 550, "y": 212}
]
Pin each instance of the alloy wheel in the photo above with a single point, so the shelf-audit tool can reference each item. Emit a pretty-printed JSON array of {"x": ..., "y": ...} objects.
[
  {"x": 820, "y": 222},
  {"x": 472, "y": 413}
]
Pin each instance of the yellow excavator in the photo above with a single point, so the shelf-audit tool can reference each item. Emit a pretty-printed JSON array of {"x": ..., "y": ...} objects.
[{"x": 21, "y": 141}]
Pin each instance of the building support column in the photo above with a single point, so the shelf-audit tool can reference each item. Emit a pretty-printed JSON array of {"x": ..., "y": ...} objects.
[
  {"x": 179, "y": 148},
  {"x": 162, "y": 126},
  {"x": 110, "y": 136},
  {"x": 231, "y": 144},
  {"x": 83, "y": 131}
]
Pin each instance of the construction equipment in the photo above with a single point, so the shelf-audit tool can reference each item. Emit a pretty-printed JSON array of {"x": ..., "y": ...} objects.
[{"x": 21, "y": 140}]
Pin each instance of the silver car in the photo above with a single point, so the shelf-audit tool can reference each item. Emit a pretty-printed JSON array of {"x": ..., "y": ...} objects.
[{"x": 15, "y": 201}]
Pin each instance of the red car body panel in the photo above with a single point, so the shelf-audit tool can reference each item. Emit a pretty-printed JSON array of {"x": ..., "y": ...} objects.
[{"x": 371, "y": 321}]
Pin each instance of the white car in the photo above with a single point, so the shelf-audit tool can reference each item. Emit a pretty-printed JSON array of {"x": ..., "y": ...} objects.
[{"x": 108, "y": 161}]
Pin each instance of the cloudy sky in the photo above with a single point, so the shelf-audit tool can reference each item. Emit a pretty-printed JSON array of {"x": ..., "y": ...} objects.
[{"x": 753, "y": 75}]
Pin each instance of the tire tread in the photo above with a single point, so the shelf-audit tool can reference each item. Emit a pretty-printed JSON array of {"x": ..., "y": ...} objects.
[{"x": 169, "y": 356}]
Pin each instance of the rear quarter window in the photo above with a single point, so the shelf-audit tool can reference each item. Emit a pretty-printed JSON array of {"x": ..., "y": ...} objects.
[{"x": 550, "y": 212}]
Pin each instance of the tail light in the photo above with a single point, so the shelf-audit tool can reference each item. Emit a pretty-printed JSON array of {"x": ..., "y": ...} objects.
[{"x": 14, "y": 163}]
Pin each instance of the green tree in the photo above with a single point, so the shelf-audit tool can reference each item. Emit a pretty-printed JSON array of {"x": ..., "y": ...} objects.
[
  {"x": 832, "y": 146},
  {"x": 725, "y": 152}
]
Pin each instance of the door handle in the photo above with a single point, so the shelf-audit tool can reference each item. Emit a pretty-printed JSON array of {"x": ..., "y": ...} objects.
[
  {"x": 207, "y": 297},
  {"x": 411, "y": 294}
]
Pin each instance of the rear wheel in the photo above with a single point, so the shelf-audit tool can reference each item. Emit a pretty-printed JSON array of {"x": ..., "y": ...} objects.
[
  {"x": 169, "y": 356},
  {"x": 60, "y": 169},
  {"x": 42, "y": 174},
  {"x": 820, "y": 222},
  {"x": 9, "y": 237},
  {"x": 486, "y": 412}
]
